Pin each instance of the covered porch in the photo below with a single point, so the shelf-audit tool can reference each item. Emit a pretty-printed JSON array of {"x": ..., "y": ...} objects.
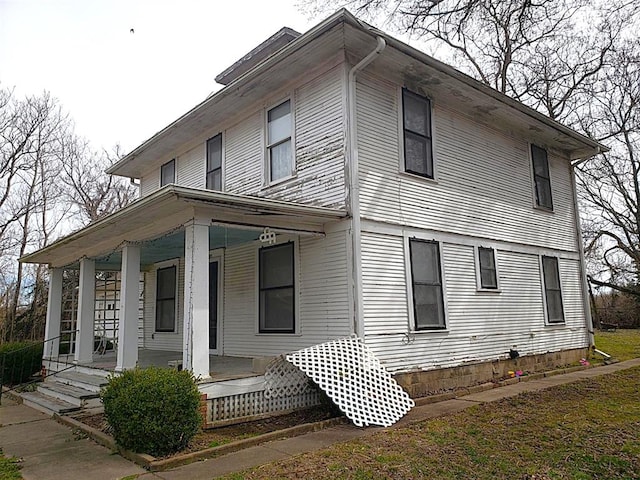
[{"x": 168, "y": 250}]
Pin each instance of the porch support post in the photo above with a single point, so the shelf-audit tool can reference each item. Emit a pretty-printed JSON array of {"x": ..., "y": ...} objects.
[
  {"x": 195, "y": 353},
  {"x": 54, "y": 314},
  {"x": 86, "y": 311},
  {"x": 128, "y": 322}
]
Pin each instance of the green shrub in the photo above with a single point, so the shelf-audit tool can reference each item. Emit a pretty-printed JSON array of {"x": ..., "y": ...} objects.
[
  {"x": 153, "y": 410},
  {"x": 20, "y": 361}
]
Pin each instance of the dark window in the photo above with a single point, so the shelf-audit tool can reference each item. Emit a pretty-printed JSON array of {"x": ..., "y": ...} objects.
[
  {"x": 418, "y": 156},
  {"x": 428, "y": 304},
  {"x": 553, "y": 294},
  {"x": 214, "y": 163},
  {"x": 166, "y": 299},
  {"x": 168, "y": 173},
  {"x": 279, "y": 141},
  {"x": 487, "y": 264},
  {"x": 541, "y": 177},
  {"x": 277, "y": 302}
]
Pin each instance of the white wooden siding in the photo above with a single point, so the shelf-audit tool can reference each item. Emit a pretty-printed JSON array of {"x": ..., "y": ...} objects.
[
  {"x": 319, "y": 149},
  {"x": 480, "y": 325},
  {"x": 243, "y": 162},
  {"x": 319, "y": 144},
  {"x": 171, "y": 341},
  {"x": 323, "y": 297},
  {"x": 150, "y": 182},
  {"x": 191, "y": 167},
  {"x": 483, "y": 186}
]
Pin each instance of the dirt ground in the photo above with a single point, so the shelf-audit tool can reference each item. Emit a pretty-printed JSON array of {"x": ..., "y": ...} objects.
[{"x": 215, "y": 437}]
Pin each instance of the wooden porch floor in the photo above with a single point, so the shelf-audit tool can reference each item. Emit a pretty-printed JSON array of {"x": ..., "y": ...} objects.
[{"x": 220, "y": 367}]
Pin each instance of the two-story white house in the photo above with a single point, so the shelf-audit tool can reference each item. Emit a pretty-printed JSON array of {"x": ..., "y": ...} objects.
[{"x": 343, "y": 182}]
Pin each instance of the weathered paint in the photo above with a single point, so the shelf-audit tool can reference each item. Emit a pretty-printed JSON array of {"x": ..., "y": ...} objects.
[
  {"x": 483, "y": 183},
  {"x": 318, "y": 103}
]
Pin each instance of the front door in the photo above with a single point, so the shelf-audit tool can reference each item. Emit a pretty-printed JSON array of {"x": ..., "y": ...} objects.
[{"x": 214, "y": 269}]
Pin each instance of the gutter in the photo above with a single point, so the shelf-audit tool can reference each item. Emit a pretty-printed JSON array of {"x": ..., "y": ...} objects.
[
  {"x": 583, "y": 266},
  {"x": 354, "y": 187}
]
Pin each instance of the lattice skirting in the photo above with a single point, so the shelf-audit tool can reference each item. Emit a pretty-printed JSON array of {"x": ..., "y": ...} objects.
[{"x": 256, "y": 403}]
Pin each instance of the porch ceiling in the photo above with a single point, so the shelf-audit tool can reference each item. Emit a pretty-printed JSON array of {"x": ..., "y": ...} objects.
[
  {"x": 172, "y": 246},
  {"x": 156, "y": 222}
]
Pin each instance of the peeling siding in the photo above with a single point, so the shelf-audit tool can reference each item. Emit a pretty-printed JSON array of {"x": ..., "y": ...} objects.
[
  {"x": 319, "y": 144},
  {"x": 319, "y": 149},
  {"x": 483, "y": 185},
  {"x": 480, "y": 325},
  {"x": 243, "y": 156},
  {"x": 323, "y": 298}
]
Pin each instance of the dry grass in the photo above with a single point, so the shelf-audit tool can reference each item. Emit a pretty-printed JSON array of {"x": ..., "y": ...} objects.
[{"x": 584, "y": 430}]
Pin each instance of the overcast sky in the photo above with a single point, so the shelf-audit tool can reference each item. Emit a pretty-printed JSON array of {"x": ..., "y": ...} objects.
[{"x": 119, "y": 86}]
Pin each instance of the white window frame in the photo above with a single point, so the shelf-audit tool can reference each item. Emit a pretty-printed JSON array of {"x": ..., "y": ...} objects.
[
  {"x": 267, "y": 149},
  {"x": 476, "y": 253},
  {"x": 409, "y": 286},
  {"x": 222, "y": 161},
  {"x": 534, "y": 186},
  {"x": 544, "y": 292},
  {"x": 281, "y": 239},
  {"x": 400, "y": 119},
  {"x": 175, "y": 172},
  {"x": 156, "y": 267}
]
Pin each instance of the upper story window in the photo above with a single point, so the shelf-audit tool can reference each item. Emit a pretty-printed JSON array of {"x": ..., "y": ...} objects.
[
  {"x": 488, "y": 273},
  {"x": 166, "y": 299},
  {"x": 418, "y": 148},
  {"x": 552, "y": 290},
  {"x": 426, "y": 280},
  {"x": 277, "y": 289},
  {"x": 541, "y": 177},
  {"x": 214, "y": 163},
  {"x": 279, "y": 150},
  {"x": 168, "y": 173}
]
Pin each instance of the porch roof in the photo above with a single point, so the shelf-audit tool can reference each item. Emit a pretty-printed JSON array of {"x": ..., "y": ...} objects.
[{"x": 164, "y": 213}]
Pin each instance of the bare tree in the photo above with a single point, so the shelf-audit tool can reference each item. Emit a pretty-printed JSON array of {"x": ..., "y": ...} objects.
[
  {"x": 90, "y": 192},
  {"x": 610, "y": 183},
  {"x": 46, "y": 172},
  {"x": 545, "y": 53}
]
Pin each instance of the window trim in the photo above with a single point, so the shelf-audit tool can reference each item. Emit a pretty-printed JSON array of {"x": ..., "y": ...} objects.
[
  {"x": 534, "y": 177},
  {"x": 543, "y": 282},
  {"x": 267, "y": 146},
  {"x": 222, "y": 162},
  {"x": 161, "y": 266},
  {"x": 479, "y": 286},
  {"x": 413, "y": 328},
  {"x": 282, "y": 240},
  {"x": 175, "y": 172},
  {"x": 401, "y": 133}
]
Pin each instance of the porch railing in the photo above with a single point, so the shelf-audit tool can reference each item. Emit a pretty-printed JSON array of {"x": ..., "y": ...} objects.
[{"x": 23, "y": 366}]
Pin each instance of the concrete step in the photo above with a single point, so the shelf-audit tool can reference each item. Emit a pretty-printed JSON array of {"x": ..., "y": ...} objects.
[
  {"x": 92, "y": 383},
  {"x": 47, "y": 404},
  {"x": 70, "y": 394}
]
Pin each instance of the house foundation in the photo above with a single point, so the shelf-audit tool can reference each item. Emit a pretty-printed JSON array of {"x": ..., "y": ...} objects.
[{"x": 428, "y": 382}]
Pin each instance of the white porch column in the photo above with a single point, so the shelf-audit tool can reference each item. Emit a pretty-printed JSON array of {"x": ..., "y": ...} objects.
[
  {"x": 54, "y": 313},
  {"x": 195, "y": 356},
  {"x": 128, "y": 318},
  {"x": 86, "y": 311}
]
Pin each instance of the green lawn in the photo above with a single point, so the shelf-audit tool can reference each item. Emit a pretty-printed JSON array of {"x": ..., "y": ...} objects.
[
  {"x": 584, "y": 430},
  {"x": 9, "y": 469},
  {"x": 620, "y": 344}
]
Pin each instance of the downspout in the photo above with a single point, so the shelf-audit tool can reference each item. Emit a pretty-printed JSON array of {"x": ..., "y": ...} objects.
[
  {"x": 354, "y": 187},
  {"x": 583, "y": 265}
]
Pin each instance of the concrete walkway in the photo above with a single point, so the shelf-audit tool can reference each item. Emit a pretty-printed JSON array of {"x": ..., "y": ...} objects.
[{"x": 51, "y": 451}]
